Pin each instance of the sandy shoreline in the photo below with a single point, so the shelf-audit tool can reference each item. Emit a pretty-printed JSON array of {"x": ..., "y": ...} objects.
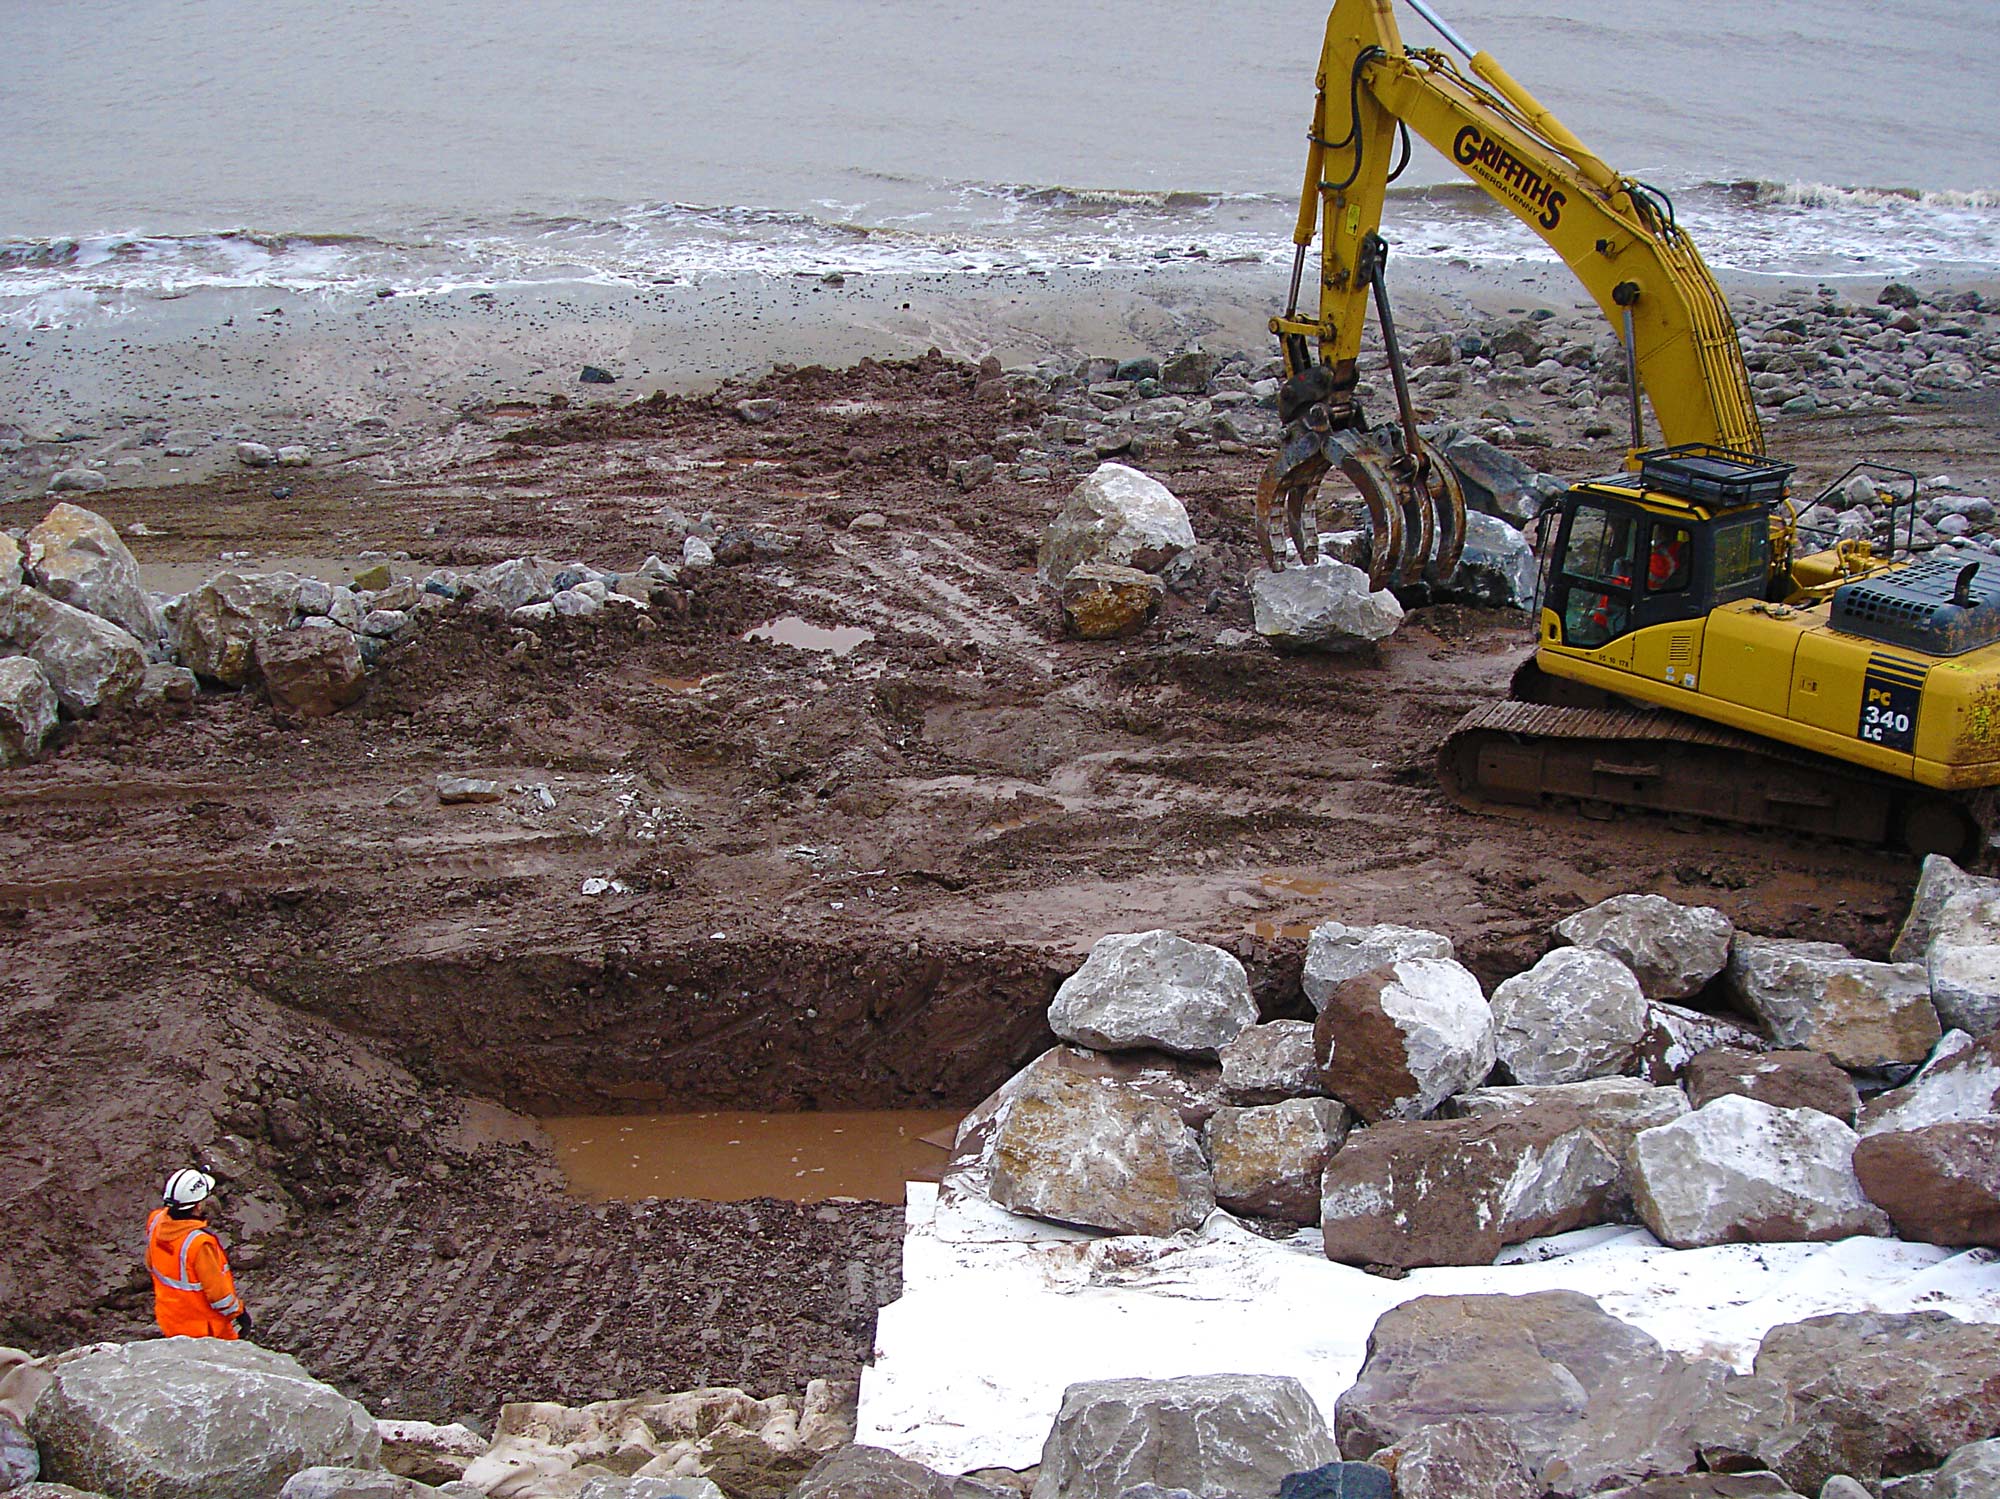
[{"x": 350, "y": 375}]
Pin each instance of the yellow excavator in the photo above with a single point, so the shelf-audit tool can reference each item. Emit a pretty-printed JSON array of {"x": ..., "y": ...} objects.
[{"x": 1697, "y": 653}]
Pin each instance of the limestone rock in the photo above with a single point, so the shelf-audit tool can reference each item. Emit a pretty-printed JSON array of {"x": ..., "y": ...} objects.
[
  {"x": 1269, "y": 1063},
  {"x": 1268, "y": 1160},
  {"x": 454, "y": 790},
  {"x": 1121, "y": 516},
  {"x": 221, "y": 622},
  {"x": 20, "y": 1463},
  {"x": 1102, "y": 601},
  {"x": 1867, "y": 1394},
  {"x": 1972, "y": 1472},
  {"x": 1961, "y": 1082},
  {"x": 862, "y": 1472},
  {"x": 1614, "y": 1109},
  {"x": 78, "y": 480},
  {"x": 28, "y": 712},
  {"x": 1214, "y": 1435},
  {"x": 10, "y": 562},
  {"x": 1675, "y": 1036},
  {"x": 1075, "y": 1150},
  {"x": 1462, "y": 1456},
  {"x": 1673, "y": 950},
  {"x": 312, "y": 671},
  {"x": 1336, "y": 953},
  {"x": 1187, "y": 373},
  {"x": 165, "y": 684},
  {"x": 1740, "y": 1171},
  {"x": 516, "y": 583},
  {"x": 1495, "y": 481},
  {"x": 90, "y": 662},
  {"x": 75, "y": 555},
  {"x": 1326, "y": 606},
  {"x": 1939, "y": 1184},
  {"x": 1397, "y": 1041},
  {"x": 1965, "y": 982},
  {"x": 1940, "y": 880},
  {"x": 350, "y": 1483},
  {"x": 1191, "y": 1090},
  {"x": 1818, "y": 997},
  {"x": 1714, "y": 1486},
  {"x": 194, "y": 1418},
  {"x": 1154, "y": 989},
  {"x": 1458, "y": 1191},
  {"x": 1783, "y": 1079},
  {"x": 1497, "y": 567},
  {"x": 1552, "y": 1365},
  {"x": 1578, "y": 1013}
]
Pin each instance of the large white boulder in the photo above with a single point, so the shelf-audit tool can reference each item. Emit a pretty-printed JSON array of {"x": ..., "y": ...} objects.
[
  {"x": 76, "y": 555},
  {"x": 1205, "y": 1434},
  {"x": 1965, "y": 985},
  {"x": 1961, "y": 1082},
  {"x": 1269, "y": 1063},
  {"x": 1817, "y": 996},
  {"x": 1740, "y": 1171},
  {"x": 220, "y": 623},
  {"x": 194, "y": 1418},
  {"x": 1327, "y": 606},
  {"x": 27, "y": 710},
  {"x": 90, "y": 662},
  {"x": 1673, "y": 950},
  {"x": 1938, "y": 883},
  {"x": 1336, "y": 953},
  {"x": 1120, "y": 516},
  {"x": 1154, "y": 989},
  {"x": 1397, "y": 1041},
  {"x": 1077, "y": 1150},
  {"x": 1497, "y": 566},
  {"x": 1577, "y": 1014}
]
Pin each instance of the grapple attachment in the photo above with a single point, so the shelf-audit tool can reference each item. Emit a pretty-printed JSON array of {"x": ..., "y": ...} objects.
[{"x": 1408, "y": 499}]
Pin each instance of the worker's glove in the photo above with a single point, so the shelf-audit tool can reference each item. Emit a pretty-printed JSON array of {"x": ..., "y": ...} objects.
[{"x": 243, "y": 1323}]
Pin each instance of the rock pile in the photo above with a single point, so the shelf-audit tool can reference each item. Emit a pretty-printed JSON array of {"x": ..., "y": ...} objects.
[
  {"x": 1574, "y": 1095},
  {"x": 80, "y": 635}
]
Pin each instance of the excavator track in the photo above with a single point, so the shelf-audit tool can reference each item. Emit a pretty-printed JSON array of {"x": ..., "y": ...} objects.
[{"x": 1608, "y": 761}]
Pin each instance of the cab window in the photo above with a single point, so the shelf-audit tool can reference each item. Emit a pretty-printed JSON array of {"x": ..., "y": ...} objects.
[
  {"x": 1742, "y": 559},
  {"x": 1597, "y": 562}
]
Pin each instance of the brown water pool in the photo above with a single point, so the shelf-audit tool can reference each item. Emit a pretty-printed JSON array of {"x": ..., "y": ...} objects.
[{"x": 726, "y": 1157}]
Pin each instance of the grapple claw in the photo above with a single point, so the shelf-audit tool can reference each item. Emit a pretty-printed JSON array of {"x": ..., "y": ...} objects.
[{"x": 1412, "y": 502}]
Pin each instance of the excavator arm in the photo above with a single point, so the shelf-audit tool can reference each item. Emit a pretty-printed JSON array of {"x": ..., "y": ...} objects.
[{"x": 1615, "y": 234}]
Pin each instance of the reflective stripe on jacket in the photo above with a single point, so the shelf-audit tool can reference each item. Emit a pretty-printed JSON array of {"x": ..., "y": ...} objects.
[{"x": 194, "y": 1293}]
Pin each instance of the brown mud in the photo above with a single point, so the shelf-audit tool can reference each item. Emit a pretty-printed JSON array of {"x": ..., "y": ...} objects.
[{"x": 841, "y": 880}]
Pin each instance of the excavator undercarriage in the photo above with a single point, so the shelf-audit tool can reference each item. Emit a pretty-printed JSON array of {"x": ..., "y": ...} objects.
[{"x": 1558, "y": 744}]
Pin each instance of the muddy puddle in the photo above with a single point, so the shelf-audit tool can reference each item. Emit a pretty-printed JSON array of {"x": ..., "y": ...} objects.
[
  {"x": 791, "y": 630},
  {"x": 727, "y": 1157}
]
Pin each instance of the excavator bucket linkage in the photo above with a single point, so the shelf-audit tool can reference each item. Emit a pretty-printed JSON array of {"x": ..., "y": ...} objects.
[{"x": 1411, "y": 501}]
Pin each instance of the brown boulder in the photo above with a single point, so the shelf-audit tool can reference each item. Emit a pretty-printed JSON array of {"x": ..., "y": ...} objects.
[
  {"x": 1397, "y": 1041},
  {"x": 1676, "y": 1035},
  {"x": 1939, "y": 1184},
  {"x": 1269, "y": 1160},
  {"x": 1868, "y": 1394},
  {"x": 1783, "y": 1079},
  {"x": 1103, "y": 601},
  {"x": 1459, "y": 1457},
  {"x": 1458, "y": 1191},
  {"x": 313, "y": 671}
]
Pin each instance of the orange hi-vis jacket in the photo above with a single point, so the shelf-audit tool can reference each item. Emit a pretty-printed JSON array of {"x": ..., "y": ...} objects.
[{"x": 194, "y": 1293}]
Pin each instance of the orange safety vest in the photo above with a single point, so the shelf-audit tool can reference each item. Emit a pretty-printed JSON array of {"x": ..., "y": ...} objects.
[{"x": 194, "y": 1293}]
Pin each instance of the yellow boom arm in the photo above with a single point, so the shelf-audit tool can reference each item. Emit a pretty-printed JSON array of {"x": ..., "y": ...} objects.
[{"x": 1615, "y": 234}]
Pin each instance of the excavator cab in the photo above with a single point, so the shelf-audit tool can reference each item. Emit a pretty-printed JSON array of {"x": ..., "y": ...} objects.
[{"x": 1690, "y": 532}]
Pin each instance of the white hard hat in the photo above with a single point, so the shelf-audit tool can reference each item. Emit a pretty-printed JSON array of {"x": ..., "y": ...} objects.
[{"x": 187, "y": 1187}]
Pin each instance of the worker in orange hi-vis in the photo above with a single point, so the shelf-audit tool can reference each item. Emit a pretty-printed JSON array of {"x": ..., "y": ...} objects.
[{"x": 194, "y": 1293}]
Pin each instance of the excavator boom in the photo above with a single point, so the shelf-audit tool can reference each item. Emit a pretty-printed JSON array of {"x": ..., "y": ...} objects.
[{"x": 1616, "y": 235}]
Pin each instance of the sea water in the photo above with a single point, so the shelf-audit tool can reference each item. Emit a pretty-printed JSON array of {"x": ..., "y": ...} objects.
[{"x": 358, "y": 145}]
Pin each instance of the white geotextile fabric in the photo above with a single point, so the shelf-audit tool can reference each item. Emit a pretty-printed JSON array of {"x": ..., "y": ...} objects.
[{"x": 999, "y": 1313}]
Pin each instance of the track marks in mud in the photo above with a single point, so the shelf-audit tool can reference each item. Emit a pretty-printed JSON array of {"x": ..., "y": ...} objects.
[{"x": 430, "y": 1308}]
